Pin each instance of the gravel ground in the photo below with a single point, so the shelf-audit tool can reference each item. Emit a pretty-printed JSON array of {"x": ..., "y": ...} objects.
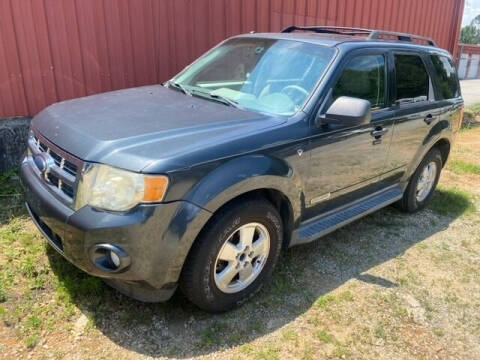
[
  {"x": 470, "y": 91},
  {"x": 388, "y": 286}
]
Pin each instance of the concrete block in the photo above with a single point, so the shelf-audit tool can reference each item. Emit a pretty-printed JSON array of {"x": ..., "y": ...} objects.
[{"x": 13, "y": 141}]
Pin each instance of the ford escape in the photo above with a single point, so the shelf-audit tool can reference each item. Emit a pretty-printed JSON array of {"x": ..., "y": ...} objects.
[{"x": 265, "y": 142}]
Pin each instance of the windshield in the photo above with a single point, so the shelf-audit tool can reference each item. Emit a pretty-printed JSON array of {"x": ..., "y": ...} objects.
[{"x": 264, "y": 75}]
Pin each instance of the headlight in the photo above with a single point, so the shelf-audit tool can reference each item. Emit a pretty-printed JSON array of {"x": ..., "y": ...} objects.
[{"x": 109, "y": 188}]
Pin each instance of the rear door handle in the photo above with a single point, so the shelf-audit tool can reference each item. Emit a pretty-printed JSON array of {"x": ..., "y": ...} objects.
[
  {"x": 428, "y": 119},
  {"x": 378, "y": 132}
]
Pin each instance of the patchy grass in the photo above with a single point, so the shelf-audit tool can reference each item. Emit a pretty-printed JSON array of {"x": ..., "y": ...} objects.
[
  {"x": 214, "y": 334},
  {"x": 390, "y": 285},
  {"x": 324, "y": 302},
  {"x": 10, "y": 196},
  {"x": 38, "y": 288},
  {"x": 471, "y": 115},
  {"x": 31, "y": 341},
  {"x": 325, "y": 337},
  {"x": 461, "y": 167},
  {"x": 452, "y": 201},
  {"x": 290, "y": 335},
  {"x": 270, "y": 352}
]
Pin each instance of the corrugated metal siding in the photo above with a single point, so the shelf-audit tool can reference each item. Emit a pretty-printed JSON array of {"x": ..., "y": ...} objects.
[
  {"x": 469, "y": 49},
  {"x": 469, "y": 63},
  {"x": 52, "y": 50}
]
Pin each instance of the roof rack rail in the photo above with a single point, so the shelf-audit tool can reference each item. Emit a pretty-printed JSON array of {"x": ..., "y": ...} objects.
[
  {"x": 377, "y": 34},
  {"x": 372, "y": 34},
  {"x": 328, "y": 29}
]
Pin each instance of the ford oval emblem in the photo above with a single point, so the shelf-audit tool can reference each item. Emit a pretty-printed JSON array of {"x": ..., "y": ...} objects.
[{"x": 41, "y": 162}]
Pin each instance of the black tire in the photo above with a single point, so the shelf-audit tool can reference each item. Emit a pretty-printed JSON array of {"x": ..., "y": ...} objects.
[
  {"x": 409, "y": 203},
  {"x": 197, "y": 281}
]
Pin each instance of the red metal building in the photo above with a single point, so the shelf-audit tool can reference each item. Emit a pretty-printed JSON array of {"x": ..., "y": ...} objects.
[{"x": 52, "y": 50}]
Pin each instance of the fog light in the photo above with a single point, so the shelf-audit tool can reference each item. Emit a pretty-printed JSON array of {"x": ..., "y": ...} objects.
[
  {"x": 115, "y": 259},
  {"x": 109, "y": 258}
]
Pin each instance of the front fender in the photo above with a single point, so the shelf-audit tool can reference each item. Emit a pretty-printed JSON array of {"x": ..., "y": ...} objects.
[
  {"x": 244, "y": 174},
  {"x": 221, "y": 185}
]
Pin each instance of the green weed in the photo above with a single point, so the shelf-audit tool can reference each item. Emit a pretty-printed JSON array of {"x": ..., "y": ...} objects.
[
  {"x": 290, "y": 335},
  {"x": 268, "y": 353},
  {"x": 34, "y": 322},
  {"x": 325, "y": 337},
  {"x": 32, "y": 341},
  {"x": 379, "y": 332},
  {"x": 324, "y": 302},
  {"x": 462, "y": 167},
  {"x": 212, "y": 335},
  {"x": 346, "y": 296},
  {"x": 452, "y": 202}
]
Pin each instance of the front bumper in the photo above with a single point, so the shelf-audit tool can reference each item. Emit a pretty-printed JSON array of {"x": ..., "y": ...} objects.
[{"x": 157, "y": 237}]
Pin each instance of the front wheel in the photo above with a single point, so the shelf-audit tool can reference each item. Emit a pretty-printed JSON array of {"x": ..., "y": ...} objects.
[
  {"x": 233, "y": 256},
  {"x": 422, "y": 183}
]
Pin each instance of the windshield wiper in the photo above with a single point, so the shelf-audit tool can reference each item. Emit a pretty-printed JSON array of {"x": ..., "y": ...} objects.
[
  {"x": 225, "y": 100},
  {"x": 179, "y": 87},
  {"x": 204, "y": 94}
]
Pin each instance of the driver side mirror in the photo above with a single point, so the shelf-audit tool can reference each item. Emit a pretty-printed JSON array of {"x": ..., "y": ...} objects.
[{"x": 347, "y": 111}]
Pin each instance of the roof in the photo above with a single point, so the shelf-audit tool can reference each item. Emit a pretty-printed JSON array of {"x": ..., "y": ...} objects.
[{"x": 338, "y": 40}]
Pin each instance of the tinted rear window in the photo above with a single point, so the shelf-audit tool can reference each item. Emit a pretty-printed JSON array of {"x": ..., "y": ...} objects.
[
  {"x": 411, "y": 77},
  {"x": 446, "y": 77}
]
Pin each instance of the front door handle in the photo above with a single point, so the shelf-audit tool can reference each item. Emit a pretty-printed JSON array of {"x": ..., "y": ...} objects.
[
  {"x": 428, "y": 119},
  {"x": 379, "y": 132}
]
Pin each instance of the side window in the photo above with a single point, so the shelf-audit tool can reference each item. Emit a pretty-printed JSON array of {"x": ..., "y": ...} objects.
[
  {"x": 364, "y": 78},
  {"x": 412, "y": 80},
  {"x": 446, "y": 76}
]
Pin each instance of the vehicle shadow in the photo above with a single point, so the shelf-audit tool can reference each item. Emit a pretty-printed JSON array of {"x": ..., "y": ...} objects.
[{"x": 178, "y": 329}]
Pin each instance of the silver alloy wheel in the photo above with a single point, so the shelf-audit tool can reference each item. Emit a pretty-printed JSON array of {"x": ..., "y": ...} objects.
[
  {"x": 426, "y": 180},
  {"x": 242, "y": 258}
]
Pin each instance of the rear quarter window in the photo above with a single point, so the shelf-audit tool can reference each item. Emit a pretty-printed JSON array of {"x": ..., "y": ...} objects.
[{"x": 446, "y": 76}]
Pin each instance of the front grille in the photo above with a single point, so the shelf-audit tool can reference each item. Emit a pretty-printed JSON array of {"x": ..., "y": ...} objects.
[
  {"x": 68, "y": 166},
  {"x": 56, "y": 167}
]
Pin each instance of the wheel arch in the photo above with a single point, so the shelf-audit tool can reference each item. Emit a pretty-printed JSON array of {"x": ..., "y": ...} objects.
[
  {"x": 444, "y": 146},
  {"x": 278, "y": 199},
  {"x": 241, "y": 179},
  {"x": 247, "y": 175},
  {"x": 441, "y": 143}
]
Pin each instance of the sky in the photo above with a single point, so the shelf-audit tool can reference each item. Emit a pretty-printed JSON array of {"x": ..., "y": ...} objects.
[{"x": 472, "y": 9}]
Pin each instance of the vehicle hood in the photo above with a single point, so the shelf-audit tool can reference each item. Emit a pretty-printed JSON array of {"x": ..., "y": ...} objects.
[{"x": 134, "y": 127}]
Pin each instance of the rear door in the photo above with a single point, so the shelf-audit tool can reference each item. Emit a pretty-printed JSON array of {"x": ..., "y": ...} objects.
[
  {"x": 416, "y": 109},
  {"x": 447, "y": 90}
]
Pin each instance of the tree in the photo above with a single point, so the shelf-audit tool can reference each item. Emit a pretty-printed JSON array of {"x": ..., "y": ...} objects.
[
  {"x": 470, "y": 33},
  {"x": 476, "y": 22}
]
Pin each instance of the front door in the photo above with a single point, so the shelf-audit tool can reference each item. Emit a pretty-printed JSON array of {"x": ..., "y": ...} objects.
[{"x": 346, "y": 163}]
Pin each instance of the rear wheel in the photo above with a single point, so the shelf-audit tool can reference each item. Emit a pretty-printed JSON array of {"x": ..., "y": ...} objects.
[
  {"x": 423, "y": 182},
  {"x": 233, "y": 256}
]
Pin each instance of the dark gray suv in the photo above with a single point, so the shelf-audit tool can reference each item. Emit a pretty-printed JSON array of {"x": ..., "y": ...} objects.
[{"x": 265, "y": 142}]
